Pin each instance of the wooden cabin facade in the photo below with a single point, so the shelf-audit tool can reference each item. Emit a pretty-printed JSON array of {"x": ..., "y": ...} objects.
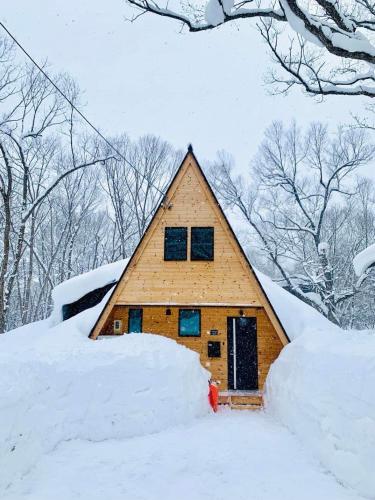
[{"x": 190, "y": 280}]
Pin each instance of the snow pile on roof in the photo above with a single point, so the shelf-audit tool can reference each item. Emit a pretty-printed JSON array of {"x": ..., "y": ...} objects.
[
  {"x": 364, "y": 260},
  {"x": 58, "y": 385},
  {"x": 295, "y": 316},
  {"x": 73, "y": 289},
  {"x": 322, "y": 387}
]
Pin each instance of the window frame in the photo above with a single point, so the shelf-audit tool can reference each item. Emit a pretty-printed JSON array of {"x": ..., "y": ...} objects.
[
  {"x": 194, "y": 259},
  {"x": 135, "y": 309},
  {"x": 179, "y": 322},
  {"x": 165, "y": 243}
]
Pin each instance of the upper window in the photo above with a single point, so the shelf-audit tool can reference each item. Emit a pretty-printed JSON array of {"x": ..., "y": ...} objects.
[
  {"x": 189, "y": 323},
  {"x": 175, "y": 243},
  {"x": 202, "y": 243}
]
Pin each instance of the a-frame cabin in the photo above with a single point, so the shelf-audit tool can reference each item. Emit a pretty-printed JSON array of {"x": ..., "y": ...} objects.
[{"x": 190, "y": 280}]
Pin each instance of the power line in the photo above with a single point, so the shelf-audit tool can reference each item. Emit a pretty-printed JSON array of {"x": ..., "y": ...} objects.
[{"x": 74, "y": 107}]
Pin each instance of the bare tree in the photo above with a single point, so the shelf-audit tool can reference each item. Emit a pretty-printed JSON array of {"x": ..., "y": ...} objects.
[
  {"x": 135, "y": 192},
  {"x": 38, "y": 150},
  {"x": 322, "y": 45},
  {"x": 299, "y": 205},
  {"x": 58, "y": 218}
]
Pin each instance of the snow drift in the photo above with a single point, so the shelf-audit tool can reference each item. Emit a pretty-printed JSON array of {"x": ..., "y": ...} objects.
[
  {"x": 58, "y": 385},
  {"x": 322, "y": 387}
]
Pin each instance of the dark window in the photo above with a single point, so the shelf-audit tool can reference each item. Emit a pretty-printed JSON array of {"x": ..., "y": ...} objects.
[
  {"x": 91, "y": 299},
  {"x": 202, "y": 243},
  {"x": 135, "y": 321},
  {"x": 189, "y": 323},
  {"x": 175, "y": 243},
  {"x": 213, "y": 349}
]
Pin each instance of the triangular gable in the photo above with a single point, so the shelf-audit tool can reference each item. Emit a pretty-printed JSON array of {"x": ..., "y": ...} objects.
[{"x": 191, "y": 170}]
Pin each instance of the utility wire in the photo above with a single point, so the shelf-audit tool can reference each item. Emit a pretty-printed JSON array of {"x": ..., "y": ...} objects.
[{"x": 74, "y": 107}]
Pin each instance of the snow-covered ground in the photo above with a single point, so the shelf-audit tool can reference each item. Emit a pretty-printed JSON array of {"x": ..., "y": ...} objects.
[
  {"x": 127, "y": 417},
  {"x": 322, "y": 387},
  {"x": 230, "y": 456},
  {"x": 57, "y": 385}
]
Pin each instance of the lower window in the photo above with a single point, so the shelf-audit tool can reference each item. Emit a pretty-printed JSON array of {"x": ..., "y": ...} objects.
[
  {"x": 189, "y": 323},
  {"x": 135, "y": 321}
]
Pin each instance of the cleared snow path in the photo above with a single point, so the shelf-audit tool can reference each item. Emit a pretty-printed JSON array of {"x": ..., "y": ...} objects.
[{"x": 232, "y": 455}]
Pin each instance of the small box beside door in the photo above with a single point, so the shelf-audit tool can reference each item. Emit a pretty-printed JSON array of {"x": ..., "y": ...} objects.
[
  {"x": 117, "y": 327},
  {"x": 213, "y": 349}
]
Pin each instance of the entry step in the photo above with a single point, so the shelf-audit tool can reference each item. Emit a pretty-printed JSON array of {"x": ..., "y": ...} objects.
[{"x": 241, "y": 400}]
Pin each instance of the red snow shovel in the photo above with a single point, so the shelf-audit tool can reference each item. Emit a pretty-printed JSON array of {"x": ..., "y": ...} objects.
[{"x": 213, "y": 395}]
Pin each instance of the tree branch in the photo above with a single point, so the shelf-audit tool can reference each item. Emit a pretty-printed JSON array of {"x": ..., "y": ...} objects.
[{"x": 55, "y": 183}]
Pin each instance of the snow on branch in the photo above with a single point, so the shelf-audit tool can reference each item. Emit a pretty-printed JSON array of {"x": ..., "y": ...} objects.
[
  {"x": 330, "y": 49},
  {"x": 217, "y": 12},
  {"x": 363, "y": 262},
  {"x": 339, "y": 41}
]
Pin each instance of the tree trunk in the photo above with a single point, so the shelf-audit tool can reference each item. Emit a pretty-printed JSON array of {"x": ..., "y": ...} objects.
[{"x": 5, "y": 263}]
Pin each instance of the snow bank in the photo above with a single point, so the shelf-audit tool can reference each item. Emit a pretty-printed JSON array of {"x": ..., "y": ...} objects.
[
  {"x": 296, "y": 316},
  {"x": 75, "y": 288},
  {"x": 364, "y": 260},
  {"x": 322, "y": 387},
  {"x": 58, "y": 385}
]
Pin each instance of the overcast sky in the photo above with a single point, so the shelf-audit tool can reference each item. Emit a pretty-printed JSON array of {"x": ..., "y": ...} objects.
[{"x": 147, "y": 77}]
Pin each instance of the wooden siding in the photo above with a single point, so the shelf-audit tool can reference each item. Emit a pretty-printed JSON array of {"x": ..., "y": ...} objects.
[
  {"x": 156, "y": 321},
  {"x": 226, "y": 279}
]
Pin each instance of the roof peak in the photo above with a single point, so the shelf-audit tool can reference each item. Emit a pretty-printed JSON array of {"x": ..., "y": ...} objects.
[{"x": 190, "y": 148}]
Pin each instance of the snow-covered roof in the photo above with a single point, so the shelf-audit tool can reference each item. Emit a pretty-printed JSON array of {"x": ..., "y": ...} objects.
[
  {"x": 364, "y": 260},
  {"x": 296, "y": 316},
  {"x": 73, "y": 289}
]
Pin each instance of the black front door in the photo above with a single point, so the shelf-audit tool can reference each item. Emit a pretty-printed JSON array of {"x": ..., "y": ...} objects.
[{"x": 242, "y": 354}]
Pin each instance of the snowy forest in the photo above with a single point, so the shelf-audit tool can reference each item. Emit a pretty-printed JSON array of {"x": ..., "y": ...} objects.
[
  {"x": 187, "y": 250},
  {"x": 70, "y": 203}
]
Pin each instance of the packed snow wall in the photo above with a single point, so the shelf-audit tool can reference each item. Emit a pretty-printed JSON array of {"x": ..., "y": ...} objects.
[
  {"x": 58, "y": 385},
  {"x": 323, "y": 388}
]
